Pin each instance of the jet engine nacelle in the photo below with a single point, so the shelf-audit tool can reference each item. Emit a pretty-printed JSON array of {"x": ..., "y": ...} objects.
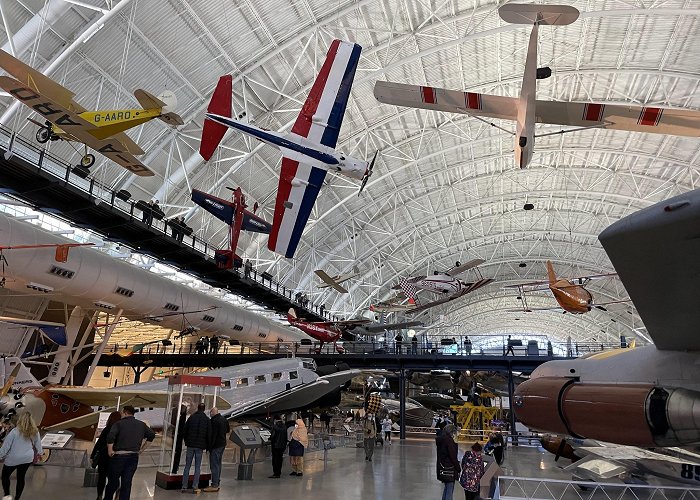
[{"x": 636, "y": 415}]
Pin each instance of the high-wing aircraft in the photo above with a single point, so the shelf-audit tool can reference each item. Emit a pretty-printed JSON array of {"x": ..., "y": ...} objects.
[
  {"x": 250, "y": 389},
  {"x": 446, "y": 284},
  {"x": 102, "y": 131},
  {"x": 335, "y": 281},
  {"x": 647, "y": 396},
  {"x": 308, "y": 151},
  {"x": 571, "y": 293},
  {"x": 333, "y": 331},
  {"x": 526, "y": 110},
  {"x": 598, "y": 461}
]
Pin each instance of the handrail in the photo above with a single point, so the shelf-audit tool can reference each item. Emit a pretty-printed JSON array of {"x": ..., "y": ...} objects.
[{"x": 17, "y": 145}]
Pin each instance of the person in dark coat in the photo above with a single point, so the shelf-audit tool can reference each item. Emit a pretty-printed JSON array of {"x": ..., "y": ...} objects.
[
  {"x": 278, "y": 443},
  {"x": 447, "y": 458},
  {"x": 219, "y": 431},
  {"x": 197, "y": 437},
  {"x": 99, "y": 454}
]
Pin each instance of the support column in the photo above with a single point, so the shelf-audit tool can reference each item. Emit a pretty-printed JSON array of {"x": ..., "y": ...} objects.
[
  {"x": 138, "y": 370},
  {"x": 511, "y": 389},
  {"x": 108, "y": 333},
  {"x": 402, "y": 404},
  {"x": 60, "y": 365}
]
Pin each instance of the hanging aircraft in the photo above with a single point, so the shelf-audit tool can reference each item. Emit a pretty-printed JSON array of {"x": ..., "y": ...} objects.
[
  {"x": 526, "y": 110},
  {"x": 599, "y": 461},
  {"x": 445, "y": 284},
  {"x": 648, "y": 396},
  {"x": 333, "y": 331},
  {"x": 571, "y": 293},
  {"x": 251, "y": 389},
  {"x": 336, "y": 281},
  {"x": 308, "y": 151},
  {"x": 102, "y": 131}
]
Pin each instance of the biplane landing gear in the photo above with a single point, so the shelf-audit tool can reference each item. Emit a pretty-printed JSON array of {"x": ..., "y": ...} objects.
[{"x": 87, "y": 161}]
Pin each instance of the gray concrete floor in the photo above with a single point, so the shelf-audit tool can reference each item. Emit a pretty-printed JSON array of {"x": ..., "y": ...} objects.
[{"x": 400, "y": 471}]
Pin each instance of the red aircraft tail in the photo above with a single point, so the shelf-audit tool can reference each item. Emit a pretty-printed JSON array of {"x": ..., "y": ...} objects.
[
  {"x": 550, "y": 273},
  {"x": 220, "y": 104},
  {"x": 291, "y": 315}
]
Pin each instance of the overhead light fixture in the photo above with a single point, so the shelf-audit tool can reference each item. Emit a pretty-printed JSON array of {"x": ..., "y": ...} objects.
[
  {"x": 528, "y": 206},
  {"x": 522, "y": 264},
  {"x": 104, "y": 305},
  {"x": 40, "y": 287}
]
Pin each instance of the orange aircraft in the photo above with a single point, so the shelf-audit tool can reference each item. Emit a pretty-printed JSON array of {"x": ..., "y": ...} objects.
[{"x": 571, "y": 294}]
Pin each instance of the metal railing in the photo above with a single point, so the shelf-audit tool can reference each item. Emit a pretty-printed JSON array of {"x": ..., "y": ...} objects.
[
  {"x": 305, "y": 348},
  {"x": 19, "y": 146},
  {"x": 521, "y": 488}
]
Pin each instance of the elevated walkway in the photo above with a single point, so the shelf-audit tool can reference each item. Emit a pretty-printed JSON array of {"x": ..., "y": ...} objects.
[{"x": 46, "y": 182}]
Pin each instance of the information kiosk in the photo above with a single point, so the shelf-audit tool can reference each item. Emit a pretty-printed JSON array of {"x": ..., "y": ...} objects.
[
  {"x": 185, "y": 393},
  {"x": 247, "y": 438}
]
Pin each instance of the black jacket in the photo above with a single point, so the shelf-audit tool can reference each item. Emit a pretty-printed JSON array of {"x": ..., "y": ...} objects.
[
  {"x": 198, "y": 431},
  {"x": 219, "y": 430},
  {"x": 278, "y": 438},
  {"x": 447, "y": 452}
]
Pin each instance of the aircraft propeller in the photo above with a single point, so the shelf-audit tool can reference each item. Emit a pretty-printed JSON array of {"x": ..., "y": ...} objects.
[{"x": 368, "y": 173}]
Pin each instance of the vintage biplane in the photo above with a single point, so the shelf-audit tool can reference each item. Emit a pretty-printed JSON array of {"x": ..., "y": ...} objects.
[
  {"x": 571, "y": 294},
  {"x": 526, "y": 110},
  {"x": 63, "y": 118},
  {"x": 308, "y": 151},
  {"x": 335, "y": 281}
]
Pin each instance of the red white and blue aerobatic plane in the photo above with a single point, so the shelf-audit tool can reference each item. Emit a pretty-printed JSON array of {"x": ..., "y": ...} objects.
[{"x": 308, "y": 151}]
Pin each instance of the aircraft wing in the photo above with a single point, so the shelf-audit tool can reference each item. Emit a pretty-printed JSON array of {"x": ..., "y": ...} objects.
[
  {"x": 38, "y": 82},
  {"x": 450, "y": 101},
  {"x": 620, "y": 117},
  {"x": 662, "y": 283},
  {"x": 329, "y": 281},
  {"x": 468, "y": 289},
  {"x": 297, "y": 191},
  {"x": 464, "y": 267},
  {"x": 221, "y": 209},
  {"x": 128, "y": 143},
  {"x": 379, "y": 327},
  {"x": 74, "y": 125},
  {"x": 55, "y": 331},
  {"x": 135, "y": 397},
  {"x": 296, "y": 397}
]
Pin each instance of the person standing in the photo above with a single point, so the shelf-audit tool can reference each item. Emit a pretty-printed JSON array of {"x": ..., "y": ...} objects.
[
  {"x": 180, "y": 437},
  {"x": 510, "y": 350},
  {"x": 99, "y": 454},
  {"x": 472, "y": 469},
  {"x": 197, "y": 437},
  {"x": 19, "y": 450},
  {"x": 214, "y": 345},
  {"x": 386, "y": 428},
  {"x": 414, "y": 344},
  {"x": 370, "y": 428},
  {"x": 398, "y": 341},
  {"x": 278, "y": 443},
  {"x": 125, "y": 441},
  {"x": 447, "y": 463},
  {"x": 497, "y": 442},
  {"x": 298, "y": 442},
  {"x": 219, "y": 431}
]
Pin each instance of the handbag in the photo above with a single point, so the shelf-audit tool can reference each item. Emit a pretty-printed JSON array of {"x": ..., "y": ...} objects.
[
  {"x": 37, "y": 456},
  {"x": 445, "y": 473}
]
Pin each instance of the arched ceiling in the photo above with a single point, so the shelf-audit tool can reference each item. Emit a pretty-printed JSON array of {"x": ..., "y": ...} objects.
[{"x": 445, "y": 187}]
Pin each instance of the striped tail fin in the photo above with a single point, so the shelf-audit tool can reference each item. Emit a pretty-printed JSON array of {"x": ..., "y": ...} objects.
[{"x": 220, "y": 104}]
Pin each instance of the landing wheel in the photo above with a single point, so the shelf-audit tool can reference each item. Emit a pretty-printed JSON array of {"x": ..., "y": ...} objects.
[
  {"x": 87, "y": 161},
  {"x": 43, "y": 135}
]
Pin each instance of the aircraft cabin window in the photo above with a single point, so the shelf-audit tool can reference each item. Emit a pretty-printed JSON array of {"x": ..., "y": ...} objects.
[
  {"x": 260, "y": 379},
  {"x": 242, "y": 382},
  {"x": 277, "y": 376},
  {"x": 293, "y": 375},
  {"x": 226, "y": 384}
]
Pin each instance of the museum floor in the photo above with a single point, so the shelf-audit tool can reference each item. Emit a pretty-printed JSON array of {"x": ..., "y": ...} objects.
[{"x": 400, "y": 471}]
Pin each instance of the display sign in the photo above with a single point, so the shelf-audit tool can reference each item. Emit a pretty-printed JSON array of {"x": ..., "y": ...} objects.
[{"x": 54, "y": 440}]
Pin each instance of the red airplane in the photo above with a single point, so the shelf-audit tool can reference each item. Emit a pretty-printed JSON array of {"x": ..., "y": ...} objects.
[{"x": 332, "y": 331}]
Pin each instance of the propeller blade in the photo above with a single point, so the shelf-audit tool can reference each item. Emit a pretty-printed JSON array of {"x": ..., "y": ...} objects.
[{"x": 368, "y": 173}]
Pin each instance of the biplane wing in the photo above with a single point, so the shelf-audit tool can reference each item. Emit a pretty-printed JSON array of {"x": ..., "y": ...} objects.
[
  {"x": 328, "y": 280},
  {"x": 74, "y": 125},
  {"x": 457, "y": 270}
]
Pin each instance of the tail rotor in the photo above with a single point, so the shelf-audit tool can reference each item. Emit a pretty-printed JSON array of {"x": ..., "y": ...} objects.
[{"x": 368, "y": 173}]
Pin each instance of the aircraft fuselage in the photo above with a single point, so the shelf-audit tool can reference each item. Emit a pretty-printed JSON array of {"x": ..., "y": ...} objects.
[
  {"x": 300, "y": 149},
  {"x": 525, "y": 123},
  {"x": 572, "y": 298}
]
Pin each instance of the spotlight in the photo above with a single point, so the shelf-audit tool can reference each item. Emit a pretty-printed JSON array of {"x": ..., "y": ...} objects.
[
  {"x": 522, "y": 264},
  {"x": 528, "y": 206}
]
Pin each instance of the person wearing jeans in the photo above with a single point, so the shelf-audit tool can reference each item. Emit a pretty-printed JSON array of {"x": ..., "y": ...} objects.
[
  {"x": 219, "y": 430},
  {"x": 197, "y": 436},
  {"x": 125, "y": 441}
]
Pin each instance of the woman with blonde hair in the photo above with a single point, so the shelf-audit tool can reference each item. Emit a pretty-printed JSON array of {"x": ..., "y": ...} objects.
[
  {"x": 299, "y": 440},
  {"x": 20, "y": 449}
]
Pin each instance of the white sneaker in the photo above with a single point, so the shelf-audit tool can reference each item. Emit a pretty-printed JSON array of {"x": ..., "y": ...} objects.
[{"x": 7, "y": 497}]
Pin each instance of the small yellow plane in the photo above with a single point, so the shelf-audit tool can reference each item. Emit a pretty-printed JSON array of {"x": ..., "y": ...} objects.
[{"x": 103, "y": 131}]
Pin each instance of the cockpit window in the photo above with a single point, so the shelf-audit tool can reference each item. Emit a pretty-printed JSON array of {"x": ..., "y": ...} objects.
[{"x": 293, "y": 375}]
